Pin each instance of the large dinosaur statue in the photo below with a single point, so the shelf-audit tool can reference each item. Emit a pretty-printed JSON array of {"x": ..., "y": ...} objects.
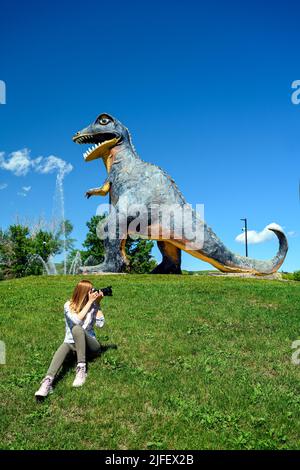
[{"x": 132, "y": 181}]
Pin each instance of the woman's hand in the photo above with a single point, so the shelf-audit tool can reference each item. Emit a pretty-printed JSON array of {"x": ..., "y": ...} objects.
[
  {"x": 100, "y": 295},
  {"x": 95, "y": 296}
]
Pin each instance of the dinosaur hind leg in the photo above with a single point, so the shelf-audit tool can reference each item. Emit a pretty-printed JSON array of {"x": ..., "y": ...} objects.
[{"x": 171, "y": 260}]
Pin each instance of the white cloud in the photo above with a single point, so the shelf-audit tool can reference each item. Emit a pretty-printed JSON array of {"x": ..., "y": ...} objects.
[
  {"x": 25, "y": 191},
  {"x": 3, "y": 185},
  {"x": 20, "y": 163},
  {"x": 51, "y": 164},
  {"x": 254, "y": 237}
]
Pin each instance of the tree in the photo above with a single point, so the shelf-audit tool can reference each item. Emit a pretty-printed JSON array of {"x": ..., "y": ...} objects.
[
  {"x": 6, "y": 252},
  {"x": 45, "y": 245},
  {"x": 23, "y": 252},
  {"x": 138, "y": 252},
  {"x": 21, "y": 249},
  {"x": 93, "y": 244}
]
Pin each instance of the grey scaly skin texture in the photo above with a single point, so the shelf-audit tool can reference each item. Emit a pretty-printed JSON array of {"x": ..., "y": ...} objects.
[{"x": 132, "y": 181}]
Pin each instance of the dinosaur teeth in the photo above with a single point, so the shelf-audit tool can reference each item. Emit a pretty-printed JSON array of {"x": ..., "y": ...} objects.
[
  {"x": 87, "y": 152},
  {"x": 92, "y": 148}
]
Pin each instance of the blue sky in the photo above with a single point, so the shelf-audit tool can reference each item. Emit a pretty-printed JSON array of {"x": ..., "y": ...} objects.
[{"x": 205, "y": 90}]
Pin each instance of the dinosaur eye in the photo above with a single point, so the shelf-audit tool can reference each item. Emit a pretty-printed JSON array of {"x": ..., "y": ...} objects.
[{"x": 103, "y": 121}]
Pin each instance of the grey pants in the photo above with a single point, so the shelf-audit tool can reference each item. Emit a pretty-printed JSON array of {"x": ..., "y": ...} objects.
[{"x": 83, "y": 343}]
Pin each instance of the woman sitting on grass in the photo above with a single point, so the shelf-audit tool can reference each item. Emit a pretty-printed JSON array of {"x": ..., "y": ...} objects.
[{"x": 82, "y": 312}]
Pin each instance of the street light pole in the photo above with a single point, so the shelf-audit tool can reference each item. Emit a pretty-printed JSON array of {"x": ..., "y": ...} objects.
[
  {"x": 44, "y": 251},
  {"x": 246, "y": 239}
]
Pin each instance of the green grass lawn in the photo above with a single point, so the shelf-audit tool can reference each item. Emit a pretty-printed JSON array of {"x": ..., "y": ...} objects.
[{"x": 202, "y": 363}]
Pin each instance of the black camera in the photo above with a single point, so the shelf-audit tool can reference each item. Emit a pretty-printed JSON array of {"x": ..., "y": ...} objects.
[{"x": 107, "y": 291}]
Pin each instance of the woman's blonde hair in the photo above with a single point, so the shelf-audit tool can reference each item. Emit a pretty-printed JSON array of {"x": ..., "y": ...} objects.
[{"x": 80, "y": 295}]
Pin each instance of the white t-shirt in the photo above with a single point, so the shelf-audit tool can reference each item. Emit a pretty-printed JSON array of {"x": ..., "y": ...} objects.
[{"x": 87, "y": 323}]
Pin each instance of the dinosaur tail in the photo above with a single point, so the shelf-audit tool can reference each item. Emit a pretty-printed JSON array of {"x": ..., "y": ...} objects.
[{"x": 217, "y": 254}]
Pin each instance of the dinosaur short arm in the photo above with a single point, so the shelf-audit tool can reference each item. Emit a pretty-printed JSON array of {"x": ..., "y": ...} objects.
[{"x": 99, "y": 191}]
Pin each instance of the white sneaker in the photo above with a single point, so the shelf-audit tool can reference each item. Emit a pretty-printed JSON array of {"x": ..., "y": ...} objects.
[
  {"x": 80, "y": 376},
  {"x": 45, "y": 388}
]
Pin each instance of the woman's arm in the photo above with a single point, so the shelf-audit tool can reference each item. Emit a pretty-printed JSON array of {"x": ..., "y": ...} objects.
[
  {"x": 81, "y": 315},
  {"x": 92, "y": 297},
  {"x": 77, "y": 318}
]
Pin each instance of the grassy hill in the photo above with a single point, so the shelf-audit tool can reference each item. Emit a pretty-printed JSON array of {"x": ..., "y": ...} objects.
[{"x": 202, "y": 363}]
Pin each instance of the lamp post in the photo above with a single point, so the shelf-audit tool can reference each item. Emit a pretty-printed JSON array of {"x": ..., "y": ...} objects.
[
  {"x": 246, "y": 240},
  {"x": 44, "y": 251}
]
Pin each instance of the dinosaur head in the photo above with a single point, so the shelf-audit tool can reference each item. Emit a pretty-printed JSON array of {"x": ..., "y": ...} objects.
[{"x": 104, "y": 133}]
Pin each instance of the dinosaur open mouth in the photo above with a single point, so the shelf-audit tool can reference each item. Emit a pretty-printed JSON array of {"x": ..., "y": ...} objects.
[{"x": 103, "y": 142}]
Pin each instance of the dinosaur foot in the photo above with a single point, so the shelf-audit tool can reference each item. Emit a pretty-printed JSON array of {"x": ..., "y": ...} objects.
[
  {"x": 164, "y": 268},
  {"x": 100, "y": 268}
]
